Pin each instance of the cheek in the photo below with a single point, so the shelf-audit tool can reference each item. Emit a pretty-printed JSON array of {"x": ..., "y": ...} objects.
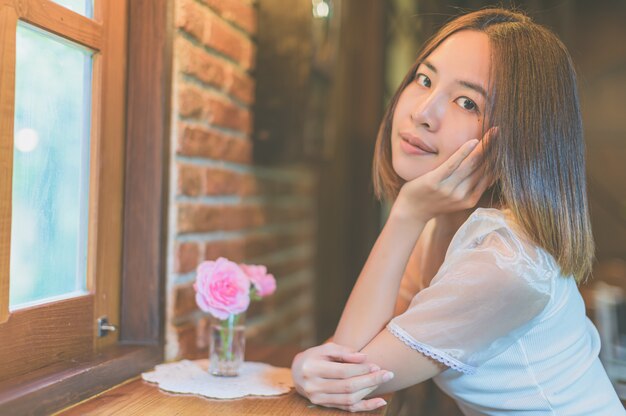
[{"x": 460, "y": 129}]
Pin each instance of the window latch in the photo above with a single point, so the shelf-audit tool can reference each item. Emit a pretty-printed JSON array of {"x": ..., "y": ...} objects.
[{"x": 104, "y": 327}]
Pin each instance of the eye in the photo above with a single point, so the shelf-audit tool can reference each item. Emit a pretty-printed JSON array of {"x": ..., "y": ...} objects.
[
  {"x": 467, "y": 104},
  {"x": 423, "y": 80}
]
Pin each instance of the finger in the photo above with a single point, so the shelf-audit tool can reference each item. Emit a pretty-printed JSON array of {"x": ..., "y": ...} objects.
[
  {"x": 336, "y": 351},
  {"x": 332, "y": 348},
  {"x": 335, "y": 370},
  {"x": 448, "y": 167},
  {"x": 354, "y": 358},
  {"x": 340, "y": 353},
  {"x": 466, "y": 186},
  {"x": 461, "y": 192},
  {"x": 364, "y": 405},
  {"x": 471, "y": 189},
  {"x": 472, "y": 162},
  {"x": 474, "y": 159},
  {"x": 481, "y": 186},
  {"x": 329, "y": 399},
  {"x": 355, "y": 384}
]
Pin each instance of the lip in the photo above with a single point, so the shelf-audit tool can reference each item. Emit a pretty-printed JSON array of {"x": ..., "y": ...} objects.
[{"x": 415, "y": 144}]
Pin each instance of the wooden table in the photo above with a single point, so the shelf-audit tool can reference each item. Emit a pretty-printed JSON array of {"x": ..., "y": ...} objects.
[{"x": 137, "y": 397}]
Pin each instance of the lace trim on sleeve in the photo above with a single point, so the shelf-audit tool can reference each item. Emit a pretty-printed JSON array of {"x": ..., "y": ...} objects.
[{"x": 429, "y": 351}]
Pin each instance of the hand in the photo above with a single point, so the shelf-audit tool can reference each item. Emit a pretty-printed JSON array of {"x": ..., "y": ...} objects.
[
  {"x": 332, "y": 375},
  {"x": 455, "y": 185}
]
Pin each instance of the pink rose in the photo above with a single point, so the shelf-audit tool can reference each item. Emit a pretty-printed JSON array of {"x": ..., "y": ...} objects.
[
  {"x": 222, "y": 288},
  {"x": 264, "y": 283}
]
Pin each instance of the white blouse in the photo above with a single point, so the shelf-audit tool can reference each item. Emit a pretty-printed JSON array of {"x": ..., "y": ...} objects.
[{"x": 511, "y": 329}]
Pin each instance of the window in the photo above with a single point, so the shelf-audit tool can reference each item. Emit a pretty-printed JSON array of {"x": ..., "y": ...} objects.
[{"x": 69, "y": 206}]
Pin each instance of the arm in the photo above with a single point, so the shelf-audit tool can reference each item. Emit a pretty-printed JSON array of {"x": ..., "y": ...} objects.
[
  {"x": 407, "y": 365},
  {"x": 450, "y": 187},
  {"x": 455, "y": 185},
  {"x": 362, "y": 318},
  {"x": 331, "y": 374}
]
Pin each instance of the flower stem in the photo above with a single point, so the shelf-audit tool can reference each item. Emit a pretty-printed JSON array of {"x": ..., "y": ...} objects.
[{"x": 227, "y": 332}]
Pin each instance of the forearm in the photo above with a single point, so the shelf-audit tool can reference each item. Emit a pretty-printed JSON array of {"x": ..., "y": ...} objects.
[{"x": 372, "y": 301}]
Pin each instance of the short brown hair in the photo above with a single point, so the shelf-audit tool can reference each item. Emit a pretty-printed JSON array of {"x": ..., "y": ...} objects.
[{"x": 538, "y": 157}]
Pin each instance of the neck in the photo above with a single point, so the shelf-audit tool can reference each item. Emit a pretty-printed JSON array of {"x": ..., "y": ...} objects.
[{"x": 448, "y": 224}]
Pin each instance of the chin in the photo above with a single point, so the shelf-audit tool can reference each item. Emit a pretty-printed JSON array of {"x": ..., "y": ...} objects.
[
  {"x": 407, "y": 173},
  {"x": 406, "y": 167}
]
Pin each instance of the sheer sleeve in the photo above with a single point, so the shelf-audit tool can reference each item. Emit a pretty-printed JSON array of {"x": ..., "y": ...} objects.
[{"x": 488, "y": 293}]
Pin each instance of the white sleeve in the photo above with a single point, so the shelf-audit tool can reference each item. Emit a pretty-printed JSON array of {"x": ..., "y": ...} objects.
[{"x": 485, "y": 296}]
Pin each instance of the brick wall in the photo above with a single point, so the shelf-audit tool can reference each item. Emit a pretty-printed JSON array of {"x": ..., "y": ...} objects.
[{"x": 221, "y": 203}]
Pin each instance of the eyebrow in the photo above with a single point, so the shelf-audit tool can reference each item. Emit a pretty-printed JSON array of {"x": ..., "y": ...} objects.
[{"x": 467, "y": 84}]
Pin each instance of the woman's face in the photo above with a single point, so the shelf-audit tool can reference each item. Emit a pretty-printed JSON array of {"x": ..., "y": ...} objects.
[{"x": 443, "y": 106}]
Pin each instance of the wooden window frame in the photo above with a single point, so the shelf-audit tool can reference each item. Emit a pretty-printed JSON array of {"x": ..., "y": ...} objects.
[{"x": 141, "y": 339}]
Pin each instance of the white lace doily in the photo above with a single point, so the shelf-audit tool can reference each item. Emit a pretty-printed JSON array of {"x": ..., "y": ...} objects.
[{"x": 192, "y": 377}]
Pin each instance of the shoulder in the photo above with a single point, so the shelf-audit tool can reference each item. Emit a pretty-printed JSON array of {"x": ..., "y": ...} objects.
[
  {"x": 492, "y": 237},
  {"x": 479, "y": 224},
  {"x": 491, "y": 227}
]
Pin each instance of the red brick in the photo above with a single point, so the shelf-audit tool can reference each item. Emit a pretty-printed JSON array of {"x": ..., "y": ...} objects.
[
  {"x": 233, "y": 250},
  {"x": 187, "y": 257},
  {"x": 280, "y": 270},
  {"x": 214, "y": 32},
  {"x": 281, "y": 187},
  {"x": 257, "y": 245},
  {"x": 203, "y": 334},
  {"x": 187, "y": 340},
  {"x": 239, "y": 12},
  {"x": 191, "y": 103},
  {"x": 225, "y": 182},
  {"x": 190, "y": 180},
  {"x": 196, "y": 61},
  {"x": 198, "y": 218},
  {"x": 257, "y": 308},
  {"x": 184, "y": 300},
  {"x": 288, "y": 213},
  {"x": 285, "y": 321},
  {"x": 223, "y": 113},
  {"x": 288, "y": 319},
  {"x": 200, "y": 142},
  {"x": 260, "y": 245},
  {"x": 238, "y": 150},
  {"x": 205, "y": 218},
  {"x": 214, "y": 71},
  {"x": 222, "y": 182},
  {"x": 191, "y": 17},
  {"x": 241, "y": 86},
  {"x": 196, "y": 103},
  {"x": 248, "y": 185},
  {"x": 227, "y": 40},
  {"x": 283, "y": 297},
  {"x": 247, "y": 217}
]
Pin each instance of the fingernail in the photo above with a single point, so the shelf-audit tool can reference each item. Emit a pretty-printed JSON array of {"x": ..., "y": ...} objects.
[
  {"x": 474, "y": 142},
  {"x": 374, "y": 367},
  {"x": 388, "y": 376},
  {"x": 382, "y": 402}
]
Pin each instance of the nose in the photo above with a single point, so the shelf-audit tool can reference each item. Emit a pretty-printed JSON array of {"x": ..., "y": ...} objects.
[{"x": 427, "y": 112}]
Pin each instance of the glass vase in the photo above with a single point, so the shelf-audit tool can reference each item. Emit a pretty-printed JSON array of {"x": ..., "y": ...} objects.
[{"x": 227, "y": 346}]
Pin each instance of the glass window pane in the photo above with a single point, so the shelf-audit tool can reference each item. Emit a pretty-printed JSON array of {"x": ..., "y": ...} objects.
[
  {"x": 84, "y": 7},
  {"x": 50, "y": 168}
]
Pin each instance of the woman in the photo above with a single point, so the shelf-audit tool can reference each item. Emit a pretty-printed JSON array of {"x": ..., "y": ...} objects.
[{"x": 498, "y": 321}]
